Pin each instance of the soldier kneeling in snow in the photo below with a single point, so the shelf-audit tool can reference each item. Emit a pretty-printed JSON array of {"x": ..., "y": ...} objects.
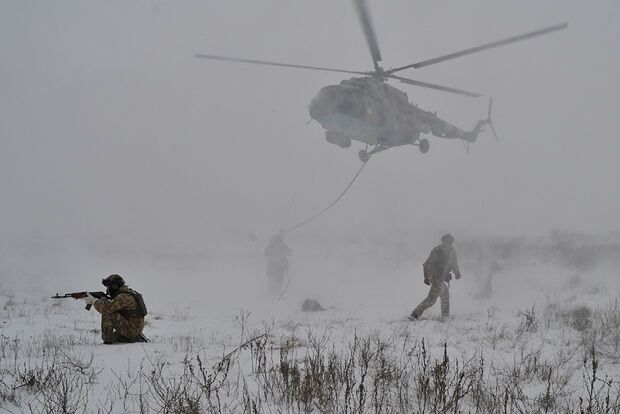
[{"x": 122, "y": 316}]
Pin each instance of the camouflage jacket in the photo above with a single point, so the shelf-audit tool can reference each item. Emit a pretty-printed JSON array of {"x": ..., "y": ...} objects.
[
  {"x": 443, "y": 262},
  {"x": 123, "y": 303}
]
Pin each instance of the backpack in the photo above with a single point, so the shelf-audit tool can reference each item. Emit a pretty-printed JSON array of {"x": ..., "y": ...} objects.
[{"x": 140, "y": 301}]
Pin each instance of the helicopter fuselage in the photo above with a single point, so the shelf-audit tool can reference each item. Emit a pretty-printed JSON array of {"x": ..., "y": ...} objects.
[
  {"x": 373, "y": 112},
  {"x": 368, "y": 110}
]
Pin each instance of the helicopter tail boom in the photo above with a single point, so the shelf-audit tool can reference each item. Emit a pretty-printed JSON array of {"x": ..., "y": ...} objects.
[
  {"x": 472, "y": 136},
  {"x": 443, "y": 129}
]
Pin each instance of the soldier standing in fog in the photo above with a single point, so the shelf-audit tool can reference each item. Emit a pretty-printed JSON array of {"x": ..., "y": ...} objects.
[{"x": 437, "y": 273}]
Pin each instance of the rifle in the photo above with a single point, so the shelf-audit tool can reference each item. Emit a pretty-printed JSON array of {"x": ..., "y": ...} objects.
[{"x": 80, "y": 295}]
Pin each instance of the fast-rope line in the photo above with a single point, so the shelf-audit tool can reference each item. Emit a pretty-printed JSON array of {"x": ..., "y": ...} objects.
[{"x": 333, "y": 202}]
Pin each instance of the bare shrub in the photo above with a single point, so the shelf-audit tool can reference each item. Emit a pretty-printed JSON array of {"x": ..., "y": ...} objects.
[
  {"x": 173, "y": 392},
  {"x": 55, "y": 381},
  {"x": 266, "y": 373},
  {"x": 186, "y": 344},
  {"x": 529, "y": 322},
  {"x": 577, "y": 251},
  {"x": 601, "y": 395},
  {"x": 580, "y": 318},
  {"x": 495, "y": 332},
  {"x": 609, "y": 322},
  {"x": 577, "y": 317}
]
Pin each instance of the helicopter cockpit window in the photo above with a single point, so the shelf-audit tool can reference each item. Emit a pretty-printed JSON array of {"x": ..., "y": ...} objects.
[{"x": 351, "y": 102}]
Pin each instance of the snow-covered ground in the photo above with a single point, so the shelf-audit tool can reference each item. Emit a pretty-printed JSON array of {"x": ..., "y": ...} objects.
[{"x": 549, "y": 300}]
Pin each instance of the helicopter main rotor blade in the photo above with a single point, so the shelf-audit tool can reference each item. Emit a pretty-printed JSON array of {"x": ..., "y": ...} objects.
[
  {"x": 371, "y": 39},
  {"x": 434, "y": 86},
  {"x": 480, "y": 48},
  {"x": 287, "y": 65}
]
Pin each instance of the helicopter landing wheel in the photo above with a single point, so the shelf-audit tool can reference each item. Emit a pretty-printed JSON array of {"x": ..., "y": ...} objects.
[
  {"x": 363, "y": 155},
  {"x": 424, "y": 146}
]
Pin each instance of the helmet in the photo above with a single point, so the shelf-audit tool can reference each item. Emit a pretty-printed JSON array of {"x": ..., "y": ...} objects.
[
  {"x": 113, "y": 280},
  {"x": 447, "y": 238}
]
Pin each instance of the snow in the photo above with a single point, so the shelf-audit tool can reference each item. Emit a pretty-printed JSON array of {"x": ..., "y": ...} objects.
[{"x": 208, "y": 304}]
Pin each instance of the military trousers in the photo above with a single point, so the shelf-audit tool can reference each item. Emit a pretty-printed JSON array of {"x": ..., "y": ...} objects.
[
  {"x": 276, "y": 272},
  {"x": 116, "y": 328},
  {"x": 439, "y": 289}
]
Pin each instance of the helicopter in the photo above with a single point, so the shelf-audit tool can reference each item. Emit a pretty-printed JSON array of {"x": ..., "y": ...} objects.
[{"x": 369, "y": 110}]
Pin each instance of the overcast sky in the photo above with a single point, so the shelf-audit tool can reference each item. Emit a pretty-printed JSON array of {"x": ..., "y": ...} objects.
[{"x": 110, "y": 125}]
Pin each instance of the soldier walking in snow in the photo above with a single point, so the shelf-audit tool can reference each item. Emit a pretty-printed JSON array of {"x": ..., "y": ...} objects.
[
  {"x": 122, "y": 315},
  {"x": 437, "y": 273},
  {"x": 277, "y": 253}
]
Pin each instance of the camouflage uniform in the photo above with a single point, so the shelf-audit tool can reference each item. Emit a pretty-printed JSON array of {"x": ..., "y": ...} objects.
[
  {"x": 277, "y": 253},
  {"x": 121, "y": 318},
  {"x": 437, "y": 268}
]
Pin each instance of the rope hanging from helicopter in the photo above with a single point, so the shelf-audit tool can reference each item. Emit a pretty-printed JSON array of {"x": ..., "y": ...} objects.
[{"x": 333, "y": 203}]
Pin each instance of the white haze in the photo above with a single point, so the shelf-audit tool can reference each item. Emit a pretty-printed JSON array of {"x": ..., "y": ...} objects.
[
  {"x": 120, "y": 152},
  {"x": 117, "y": 142}
]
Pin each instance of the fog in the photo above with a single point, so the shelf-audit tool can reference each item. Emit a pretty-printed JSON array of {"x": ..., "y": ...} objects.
[{"x": 112, "y": 130}]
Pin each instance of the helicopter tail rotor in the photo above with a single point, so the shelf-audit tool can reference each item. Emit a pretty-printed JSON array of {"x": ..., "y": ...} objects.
[
  {"x": 472, "y": 135},
  {"x": 488, "y": 120}
]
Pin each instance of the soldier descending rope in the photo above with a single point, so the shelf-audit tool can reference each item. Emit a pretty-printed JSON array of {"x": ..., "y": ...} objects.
[{"x": 277, "y": 253}]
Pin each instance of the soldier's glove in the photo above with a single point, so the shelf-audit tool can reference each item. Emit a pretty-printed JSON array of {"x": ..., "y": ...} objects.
[
  {"x": 426, "y": 282},
  {"x": 89, "y": 299}
]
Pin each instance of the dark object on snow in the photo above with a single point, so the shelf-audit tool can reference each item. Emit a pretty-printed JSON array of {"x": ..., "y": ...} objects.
[{"x": 311, "y": 305}]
